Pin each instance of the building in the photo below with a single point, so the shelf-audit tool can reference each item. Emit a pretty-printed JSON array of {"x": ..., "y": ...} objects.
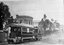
[
  {"x": 24, "y": 19},
  {"x": 35, "y": 23}
]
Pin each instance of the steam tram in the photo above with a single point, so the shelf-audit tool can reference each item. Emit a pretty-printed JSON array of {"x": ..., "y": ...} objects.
[{"x": 20, "y": 32}]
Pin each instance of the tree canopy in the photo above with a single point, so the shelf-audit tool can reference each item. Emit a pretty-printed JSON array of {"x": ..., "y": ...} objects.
[
  {"x": 4, "y": 11},
  {"x": 4, "y": 14}
]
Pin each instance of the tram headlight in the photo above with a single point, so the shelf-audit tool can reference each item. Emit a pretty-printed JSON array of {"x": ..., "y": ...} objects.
[{"x": 27, "y": 30}]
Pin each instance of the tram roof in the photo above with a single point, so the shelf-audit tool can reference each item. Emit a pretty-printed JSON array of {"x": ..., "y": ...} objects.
[{"x": 21, "y": 25}]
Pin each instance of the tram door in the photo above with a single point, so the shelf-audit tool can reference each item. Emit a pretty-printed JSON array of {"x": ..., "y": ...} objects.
[{"x": 15, "y": 32}]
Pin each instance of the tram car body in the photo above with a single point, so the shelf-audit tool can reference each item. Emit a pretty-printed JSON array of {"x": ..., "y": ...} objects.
[{"x": 19, "y": 32}]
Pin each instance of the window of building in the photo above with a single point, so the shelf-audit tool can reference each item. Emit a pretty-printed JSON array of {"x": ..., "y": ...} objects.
[
  {"x": 29, "y": 22},
  {"x": 20, "y": 21}
]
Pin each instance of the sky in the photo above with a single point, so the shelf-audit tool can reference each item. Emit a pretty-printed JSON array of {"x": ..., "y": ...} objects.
[{"x": 37, "y": 8}]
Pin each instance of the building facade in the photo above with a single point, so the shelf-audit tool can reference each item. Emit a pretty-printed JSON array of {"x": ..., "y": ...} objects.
[
  {"x": 35, "y": 23},
  {"x": 24, "y": 19}
]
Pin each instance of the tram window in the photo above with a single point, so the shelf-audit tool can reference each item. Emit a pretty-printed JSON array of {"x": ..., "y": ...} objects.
[
  {"x": 19, "y": 29},
  {"x": 24, "y": 29},
  {"x": 31, "y": 29},
  {"x": 13, "y": 29}
]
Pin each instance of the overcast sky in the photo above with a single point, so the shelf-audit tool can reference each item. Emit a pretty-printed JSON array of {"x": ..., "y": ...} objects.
[{"x": 37, "y": 8}]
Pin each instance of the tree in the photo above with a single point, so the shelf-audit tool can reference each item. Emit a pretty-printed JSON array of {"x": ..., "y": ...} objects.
[
  {"x": 57, "y": 24},
  {"x": 4, "y": 14},
  {"x": 10, "y": 20},
  {"x": 44, "y": 24}
]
